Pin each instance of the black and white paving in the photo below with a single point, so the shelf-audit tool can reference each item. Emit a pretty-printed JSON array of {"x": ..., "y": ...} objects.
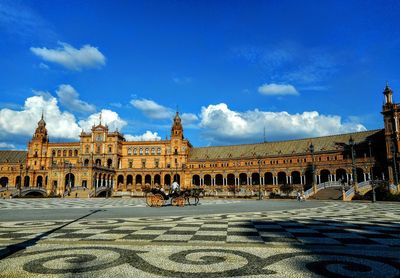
[{"x": 327, "y": 239}]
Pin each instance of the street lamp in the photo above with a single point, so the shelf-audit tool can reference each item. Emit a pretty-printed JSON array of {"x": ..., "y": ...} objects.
[
  {"x": 20, "y": 179},
  {"x": 394, "y": 162},
  {"x": 371, "y": 172},
  {"x": 313, "y": 164},
  {"x": 69, "y": 177},
  {"x": 353, "y": 169},
  {"x": 259, "y": 178}
]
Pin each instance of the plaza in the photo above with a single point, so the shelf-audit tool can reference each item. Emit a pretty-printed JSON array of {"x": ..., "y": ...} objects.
[{"x": 218, "y": 238}]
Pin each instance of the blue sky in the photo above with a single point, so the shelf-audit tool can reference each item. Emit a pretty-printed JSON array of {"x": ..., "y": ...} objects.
[{"x": 233, "y": 68}]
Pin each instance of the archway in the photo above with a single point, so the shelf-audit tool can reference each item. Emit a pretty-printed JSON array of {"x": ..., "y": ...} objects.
[
  {"x": 3, "y": 181},
  {"x": 147, "y": 179},
  {"x": 309, "y": 177},
  {"x": 109, "y": 163},
  {"x": 282, "y": 178},
  {"x": 26, "y": 181},
  {"x": 219, "y": 179},
  {"x": 177, "y": 178},
  {"x": 230, "y": 179},
  {"x": 86, "y": 162},
  {"x": 167, "y": 179},
  {"x": 138, "y": 179},
  {"x": 196, "y": 180},
  {"x": 255, "y": 178},
  {"x": 120, "y": 180},
  {"x": 324, "y": 175},
  {"x": 17, "y": 181},
  {"x": 157, "y": 179},
  {"x": 207, "y": 180},
  {"x": 129, "y": 180},
  {"x": 69, "y": 180},
  {"x": 360, "y": 174},
  {"x": 341, "y": 175},
  {"x": 98, "y": 162},
  {"x": 268, "y": 178},
  {"x": 296, "y": 177},
  {"x": 243, "y": 179},
  {"x": 39, "y": 181}
]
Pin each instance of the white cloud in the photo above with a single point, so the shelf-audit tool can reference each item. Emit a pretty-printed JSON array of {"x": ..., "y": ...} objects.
[
  {"x": 43, "y": 66},
  {"x": 152, "y": 110},
  {"x": 108, "y": 117},
  {"x": 147, "y": 136},
  {"x": 69, "y": 97},
  {"x": 71, "y": 58},
  {"x": 189, "y": 118},
  {"x": 277, "y": 89},
  {"x": 7, "y": 146},
  {"x": 23, "y": 122},
  {"x": 222, "y": 125}
]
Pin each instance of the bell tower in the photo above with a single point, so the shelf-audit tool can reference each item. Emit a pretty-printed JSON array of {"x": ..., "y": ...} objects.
[
  {"x": 177, "y": 129},
  {"x": 37, "y": 147},
  {"x": 391, "y": 116}
]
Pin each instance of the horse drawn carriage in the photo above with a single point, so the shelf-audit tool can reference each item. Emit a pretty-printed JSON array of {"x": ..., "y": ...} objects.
[{"x": 156, "y": 197}]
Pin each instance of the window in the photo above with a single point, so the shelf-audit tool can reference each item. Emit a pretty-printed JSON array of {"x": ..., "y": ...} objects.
[
  {"x": 156, "y": 163},
  {"x": 159, "y": 151},
  {"x": 87, "y": 149},
  {"x": 70, "y": 152},
  {"x": 53, "y": 153},
  {"x": 130, "y": 151},
  {"x": 98, "y": 149},
  {"x": 176, "y": 151},
  {"x": 153, "y": 151},
  {"x": 76, "y": 152},
  {"x": 141, "y": 151},
  {"x": 130, "y": 163},
  {"x": 64, "y": 153},
  {"x": 143, "y": 163},
  {"x": 109, "y": 149},
  {"x": 147, "y": 151},
  {"x": 59, "y": 153},
  {"x": 135, "y": 151}
]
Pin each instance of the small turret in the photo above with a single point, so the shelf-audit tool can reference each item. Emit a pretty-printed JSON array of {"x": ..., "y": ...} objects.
[{"x": 388, "y": 93}]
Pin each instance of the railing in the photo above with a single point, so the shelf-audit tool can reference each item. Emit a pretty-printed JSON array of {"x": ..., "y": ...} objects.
[
  {"x": 349, "y": 193},
  {"x": 308, "y": 193}
]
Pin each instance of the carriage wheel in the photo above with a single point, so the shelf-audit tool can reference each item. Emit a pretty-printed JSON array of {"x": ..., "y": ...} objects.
[
  {"x": 149, "y": 199},
  {"x": 158, "y": 200},
  {"x": 180, "y": 201}
]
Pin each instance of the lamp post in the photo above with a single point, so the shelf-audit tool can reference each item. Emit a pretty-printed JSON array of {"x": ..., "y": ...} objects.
[
  {"x": 353, "y": 169},
  {"x": 371, "y": 172},
  {"x": 69, "y": 177},
  {"x": 396, "y": 182},
  {"x": 20, "y": 180},
  {"x": 313, "y": 165},
  {"x": 259, "y": 178}
]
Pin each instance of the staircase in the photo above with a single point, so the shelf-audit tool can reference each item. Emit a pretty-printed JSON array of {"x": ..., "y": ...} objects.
[{"x": 328, "y": 194}]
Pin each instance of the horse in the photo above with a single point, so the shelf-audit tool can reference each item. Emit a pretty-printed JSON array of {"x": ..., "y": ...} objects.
[{"x": 195, "y": 193}]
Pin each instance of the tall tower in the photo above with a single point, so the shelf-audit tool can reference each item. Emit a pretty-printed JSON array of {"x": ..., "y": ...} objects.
[
  {"x": 391, "y": 115},
  {"x": 177, "y": 129},
  {"x": 37, "y": 147}
]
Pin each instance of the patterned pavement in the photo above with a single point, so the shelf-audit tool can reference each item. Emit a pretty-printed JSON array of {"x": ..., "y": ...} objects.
[{"x": 336, "y": 240}]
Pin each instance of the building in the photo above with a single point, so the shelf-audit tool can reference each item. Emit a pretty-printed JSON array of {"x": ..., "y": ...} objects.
[{"x": 104, "y": 162}]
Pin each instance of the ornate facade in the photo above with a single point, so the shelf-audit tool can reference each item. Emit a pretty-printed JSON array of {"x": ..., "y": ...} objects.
[{"x": 103, "y": 161}]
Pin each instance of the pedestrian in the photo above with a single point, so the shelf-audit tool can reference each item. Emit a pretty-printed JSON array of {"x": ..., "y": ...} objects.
[{"x": 298, "y": 196}]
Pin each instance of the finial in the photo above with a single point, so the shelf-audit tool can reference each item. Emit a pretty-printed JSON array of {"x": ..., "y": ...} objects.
[
  {"x": 42, "y": 114},
  {"x": 100, "y": 117}
]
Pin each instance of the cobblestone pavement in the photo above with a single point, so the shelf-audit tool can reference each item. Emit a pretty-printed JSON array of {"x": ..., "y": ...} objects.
[
  {"x": 336, "y": 240},
  {"x": 86, "y": 203}
]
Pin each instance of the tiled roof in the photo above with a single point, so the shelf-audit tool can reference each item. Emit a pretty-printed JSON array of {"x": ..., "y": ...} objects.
[
  {"x": 325, "y": 143},
  {"x": 12, "y": 156}
]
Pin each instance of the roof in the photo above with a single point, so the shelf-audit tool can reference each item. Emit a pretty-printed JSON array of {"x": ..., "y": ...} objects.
[
  {"x": 289, "y": 147},
  {"x": 12, "y": 156}
]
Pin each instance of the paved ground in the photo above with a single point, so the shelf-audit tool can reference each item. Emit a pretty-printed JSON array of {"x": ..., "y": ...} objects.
[{"x": 287, "y": 239}]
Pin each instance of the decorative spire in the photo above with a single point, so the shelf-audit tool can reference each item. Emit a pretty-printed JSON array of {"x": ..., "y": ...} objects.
[{"x": 100, "y": 117}]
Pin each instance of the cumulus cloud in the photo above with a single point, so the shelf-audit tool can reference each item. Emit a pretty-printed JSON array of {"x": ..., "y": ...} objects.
[
  {"x": 277, "y": 89},
  {"x": 147, "y": 136},
  {"x": 108, "y": 117},
  {"x": 189, "y": 118},
  {"x": 222, "y": 125},
  {"x": 152, "y": 110},
  {"x": 69, "y": 97},
  {"x": 23, "y": 122},
  {"x": 6, "y": 146},
  {"x": 71, "y": 58}
]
